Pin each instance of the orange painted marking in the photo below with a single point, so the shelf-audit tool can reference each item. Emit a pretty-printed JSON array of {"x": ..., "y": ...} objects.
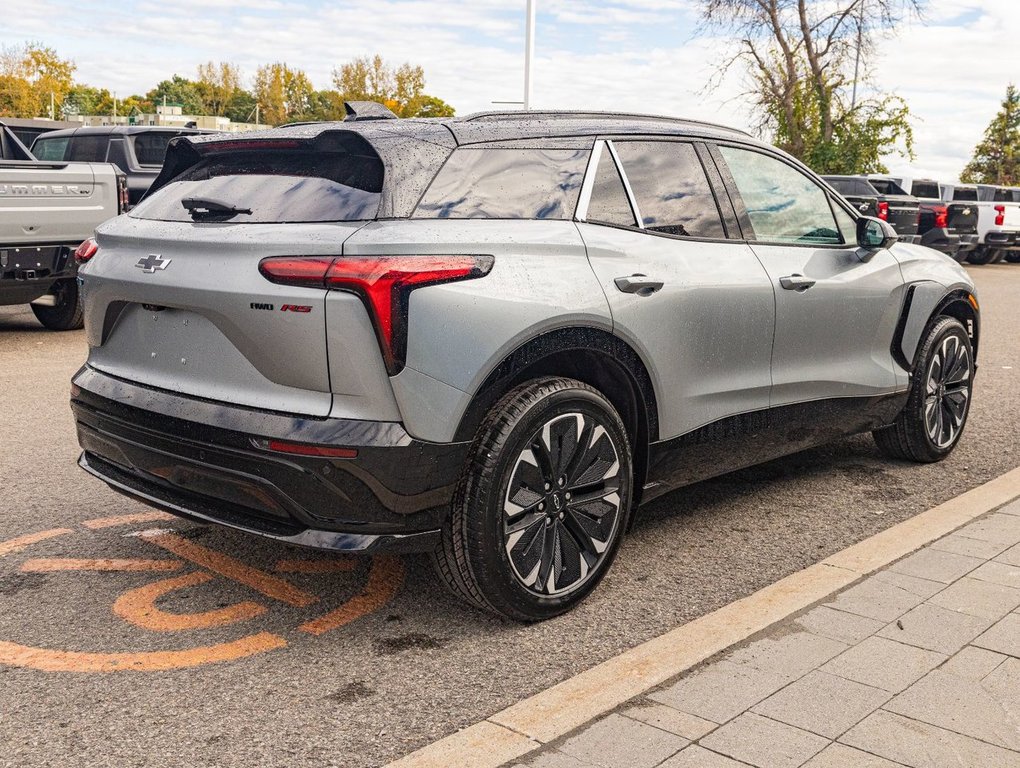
[
  {"x": 384, "y": 579},
  {"x": 11, "y": 546},
  {"x": 314, "y": 566},
  {"x": 49, "y": 564},
  {"x": 141, "y": 517},
  {"x": 137, "y": 606},
  {"x": 269, "y": 585},
  {"x": 47, "y": 660}
]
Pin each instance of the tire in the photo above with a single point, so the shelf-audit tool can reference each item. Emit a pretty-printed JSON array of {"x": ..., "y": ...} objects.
[
  {"x": 510, "y": 519},
  {"x": 931, "y": 423},
  {"x": 981, "y": 255},
  {"x": 1000, "y": 254},
  {"x": 1013, "y": 257},
  {"x": 67, "y": 314}
]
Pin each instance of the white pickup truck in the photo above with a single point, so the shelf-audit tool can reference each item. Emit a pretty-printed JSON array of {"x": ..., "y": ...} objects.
[
  {"x": 998, "y": 224},
  {"x": 46, "y": 210}
]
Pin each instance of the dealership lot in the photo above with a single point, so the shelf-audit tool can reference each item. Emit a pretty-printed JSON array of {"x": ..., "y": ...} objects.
[{"x": 130, "y": 638}]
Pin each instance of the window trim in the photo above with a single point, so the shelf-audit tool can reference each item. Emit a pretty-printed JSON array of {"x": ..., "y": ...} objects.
[{"x": 742, "y": 213}]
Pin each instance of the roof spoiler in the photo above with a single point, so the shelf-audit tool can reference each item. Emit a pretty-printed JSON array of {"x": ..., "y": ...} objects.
[
  {"x": 367, "y": 110},
  {"x": 11, "y": 147}
]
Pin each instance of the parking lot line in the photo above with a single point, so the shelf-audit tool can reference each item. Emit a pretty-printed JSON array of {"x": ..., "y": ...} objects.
[
  {"x": 384, "y": 578},
  {"x": 271, "y": 586},
  {"x": 52, "y": 564},
  {"x": 138, "y": 606},
  {"x": 11, "y": 546},
  {"x": 141, "y": 517}
]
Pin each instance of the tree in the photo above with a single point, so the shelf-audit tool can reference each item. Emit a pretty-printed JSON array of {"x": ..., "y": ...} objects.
[
  {"x": 178, "y": 91},
  {"x": 802, "y": 58},
  {"x": 217, "y": 84},
  {"x": 997, "y": 158},
  {"x": 284, "y": 94},
  {"x": 401, "y": 89},
  {"x": 86, "y": 100},
  {"x": 32, "y": 77}
]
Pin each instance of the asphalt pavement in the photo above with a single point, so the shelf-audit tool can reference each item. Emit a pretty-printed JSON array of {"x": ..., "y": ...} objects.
[{"x": 130, "y": 640}]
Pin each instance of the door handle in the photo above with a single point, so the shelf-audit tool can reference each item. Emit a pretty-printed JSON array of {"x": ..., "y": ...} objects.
[
  {"x": 642, "y": 285},
  {"x": 797, "y": 283}
]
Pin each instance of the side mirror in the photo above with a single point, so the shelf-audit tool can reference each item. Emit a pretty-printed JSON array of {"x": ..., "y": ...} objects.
[{"x": 874, "y": 234}]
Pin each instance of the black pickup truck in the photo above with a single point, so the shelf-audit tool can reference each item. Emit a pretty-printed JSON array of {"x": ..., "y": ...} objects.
[
  {"x": 891, "y": 204},
  {"x": 950, "y": 228},
  {"x": 138, "y": 150}
]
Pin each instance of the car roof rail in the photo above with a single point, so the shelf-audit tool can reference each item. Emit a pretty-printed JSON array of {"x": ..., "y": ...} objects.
[
  {"x": 368, "y": 110},
  {"x": 568, "y": 114}
]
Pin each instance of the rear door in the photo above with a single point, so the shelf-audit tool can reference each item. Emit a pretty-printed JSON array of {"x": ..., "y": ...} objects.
[
  {"x": 696, "y": 304},
  {"x": 836, "y": 312}
]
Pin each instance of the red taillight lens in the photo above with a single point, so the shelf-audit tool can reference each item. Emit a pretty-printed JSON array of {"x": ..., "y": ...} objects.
[
  {"x": 1000, "y": 215},
  {"x": 883, "y": 211},
  {"x": 941, "y": 216},
  {"x": 86, "y": 250},
  {"x": 384, "y": 284}
]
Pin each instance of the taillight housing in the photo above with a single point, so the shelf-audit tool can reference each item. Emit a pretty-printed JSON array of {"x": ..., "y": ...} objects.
[
  {"x": 883, "y": 210},
  {"x": 941, "y": 216},
  {"x": 1000, "y": 215},
  {"x": 384, "y": 284},
  {"x": 123, "y": 198},
  {"x": 86, "y": 250}
]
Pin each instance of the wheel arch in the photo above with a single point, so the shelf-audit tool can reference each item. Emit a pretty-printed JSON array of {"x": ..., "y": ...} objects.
[
  {"x": 925, "y": 301},
  {"x": 593, "y": 356}
]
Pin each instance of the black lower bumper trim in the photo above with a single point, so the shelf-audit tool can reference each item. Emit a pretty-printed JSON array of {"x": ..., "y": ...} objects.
[{"x": 198, "y": 511}]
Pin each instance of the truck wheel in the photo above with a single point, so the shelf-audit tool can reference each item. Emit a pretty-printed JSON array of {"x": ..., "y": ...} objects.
[
  {"x": 930, "y": 424},
  {"x": 981, "y": 255},
  {"x": 539, "y": 512},
  {"x": 1013, "y": 257},
  {"x": 66, "y": 314},
  {"x": 1000, "y": 254}
]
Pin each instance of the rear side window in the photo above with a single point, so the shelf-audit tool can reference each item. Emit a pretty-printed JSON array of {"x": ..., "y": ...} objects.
[
  {"x": 506, "y": 184},
  {"x": 150, "y": 148},
  {"x": 275, "y": 185},
  {"x": 965, "y": 194},
  {"x": 844, "y": 186},
  {"x": 670, "y": 188},
  {"x": 88, "y": 149},
  {"x": 889, "y": 187},
  {"x": 50, "y": 149},
  {"x": 784, "y": 205},
  {"x": 609, "y": 204}
]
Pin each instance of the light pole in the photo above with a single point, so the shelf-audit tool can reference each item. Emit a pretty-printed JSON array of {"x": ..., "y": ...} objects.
[
  {"x": 529, "y": 53},
  {"x": 857, "y": 62}
]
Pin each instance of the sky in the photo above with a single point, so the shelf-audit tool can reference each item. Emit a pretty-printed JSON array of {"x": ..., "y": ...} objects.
[{"x": 952, "y": 67}]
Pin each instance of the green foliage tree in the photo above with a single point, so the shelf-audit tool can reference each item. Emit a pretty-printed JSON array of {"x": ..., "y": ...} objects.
[
  {"x": 178, "y": 91},
  {"x": 217, "y": 84},
  {"x": 401, "y": 88},
  {"x": 803, "y": 59},
  {"x": 284, "y": 94},
  {"x": 996, "y": 159}
]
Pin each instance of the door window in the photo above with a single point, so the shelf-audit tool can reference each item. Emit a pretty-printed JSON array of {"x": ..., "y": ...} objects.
[
  {"x": 670, "y": 188},
  {"x": 609, "y": 204},
  {"x": 784, "y": 205}
]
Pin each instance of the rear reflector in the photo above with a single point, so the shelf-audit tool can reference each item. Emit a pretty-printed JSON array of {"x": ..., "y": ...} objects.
[
  {"x": 86, "y": 250},
  {"x": 303, "y": 449},
  {"x": 383, "y": 283}
]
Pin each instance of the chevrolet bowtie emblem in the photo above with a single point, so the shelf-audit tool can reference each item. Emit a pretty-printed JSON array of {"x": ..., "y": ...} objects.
[{"x": 152, "y": 262}]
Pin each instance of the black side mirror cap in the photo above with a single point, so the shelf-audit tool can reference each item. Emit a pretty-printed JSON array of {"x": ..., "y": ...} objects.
[{"x": 874, "y": 234}]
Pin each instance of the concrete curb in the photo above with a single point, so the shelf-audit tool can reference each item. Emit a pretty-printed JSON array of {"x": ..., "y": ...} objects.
[{"x": 568, "y": 705}]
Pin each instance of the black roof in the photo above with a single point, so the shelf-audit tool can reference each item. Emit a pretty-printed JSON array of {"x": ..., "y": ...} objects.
[
  {"x": 484, "y": 127},
  {"x": 107, "y": 130}
]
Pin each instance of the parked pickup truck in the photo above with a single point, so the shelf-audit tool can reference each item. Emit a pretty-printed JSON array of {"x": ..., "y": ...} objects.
[
  {"x": 891, "y": 204},
  {"x": 47, "y": 209},
  {"x": 950, "y": 227},
  {"x": 137, "y": 150},
  {"x": 998, "y": 223}
]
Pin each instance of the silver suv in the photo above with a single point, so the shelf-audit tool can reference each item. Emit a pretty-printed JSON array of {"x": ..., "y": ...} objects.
[{"x": 492, "y": 337}]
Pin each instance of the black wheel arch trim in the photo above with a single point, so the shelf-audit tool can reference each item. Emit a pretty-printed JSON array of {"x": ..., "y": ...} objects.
[{"x": 924, "y": 301}]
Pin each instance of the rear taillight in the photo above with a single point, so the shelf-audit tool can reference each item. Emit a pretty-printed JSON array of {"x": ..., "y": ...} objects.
[
  {"x": 384, "y": 284},
  {"x": 1000, "y": 215},
  {"x": 86, "y": 250},
  {"x": 941, "y": 216},
  {"x": 123, "y": 200},
  {"x": 883, "y": 211}
]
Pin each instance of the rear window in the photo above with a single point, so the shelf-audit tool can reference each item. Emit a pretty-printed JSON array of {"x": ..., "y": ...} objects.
[
  {"x": 89, "y": 149},
  {"x": 150, "y": 148},
  {"x": 843, "y": 186},
  {"x": 929, "y": 189},
  {"x": 50, "y": 149},
  {"x": 888, "y": 187},
  {"x": 277, "y": 186},
  {"x": 490, "y": 183},
  {"x": 965, "y": 194}
]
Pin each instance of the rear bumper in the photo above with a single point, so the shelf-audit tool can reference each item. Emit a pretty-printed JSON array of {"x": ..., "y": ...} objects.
[
  {"x": 998, "y": 238},
  {"x": 28, "y": 272},
  {"x": 202, "y": 461},
  {"x": 940, "y": 239},
  {"x": 969, "y": 242}
]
